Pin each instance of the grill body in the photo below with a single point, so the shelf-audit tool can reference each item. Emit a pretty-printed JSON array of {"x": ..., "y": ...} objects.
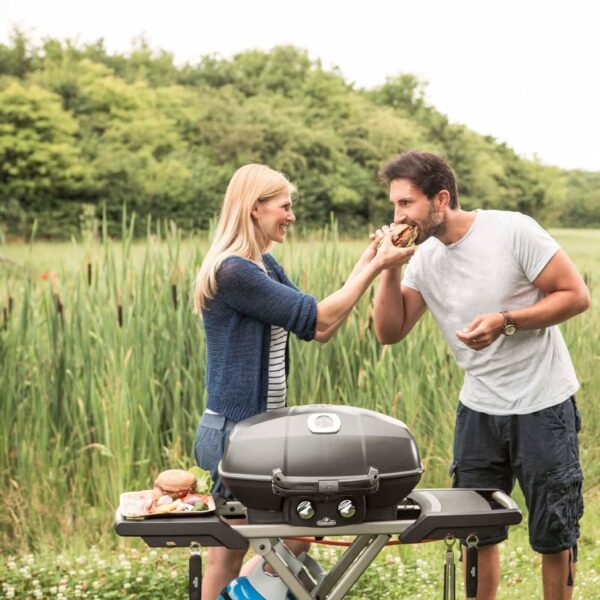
[{"x": 320, "y": 465}]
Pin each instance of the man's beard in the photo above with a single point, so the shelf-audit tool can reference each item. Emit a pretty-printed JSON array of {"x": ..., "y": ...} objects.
[{"x": 432, "y": 226}]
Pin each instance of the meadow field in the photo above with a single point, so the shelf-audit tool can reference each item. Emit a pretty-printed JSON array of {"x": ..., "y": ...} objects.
[{"x": 101, "y": 387}]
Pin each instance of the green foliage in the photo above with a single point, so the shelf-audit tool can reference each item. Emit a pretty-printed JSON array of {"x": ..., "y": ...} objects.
[
  {"x": 84, "y": 132},
  {"x": 582, "y": 205},
  {"x": 43, "y": 172},
  {"x": 17, "y": 59}
]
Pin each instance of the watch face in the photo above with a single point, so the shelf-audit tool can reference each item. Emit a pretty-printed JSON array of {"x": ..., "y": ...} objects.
[{"x": 509, "y": 330}]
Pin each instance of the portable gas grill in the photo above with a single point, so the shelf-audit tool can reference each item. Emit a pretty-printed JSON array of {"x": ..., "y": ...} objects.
[{"x": 334, "y": 471}]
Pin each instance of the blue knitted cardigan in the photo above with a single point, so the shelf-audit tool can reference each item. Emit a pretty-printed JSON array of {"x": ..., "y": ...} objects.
[{"x": 237, "y": 326}]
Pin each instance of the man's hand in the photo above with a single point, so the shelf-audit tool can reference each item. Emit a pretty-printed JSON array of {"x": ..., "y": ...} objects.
[{"x": 481, "y": 331}]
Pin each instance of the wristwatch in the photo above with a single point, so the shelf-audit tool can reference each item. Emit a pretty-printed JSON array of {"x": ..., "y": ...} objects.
[{"x": 509, "y": 327}]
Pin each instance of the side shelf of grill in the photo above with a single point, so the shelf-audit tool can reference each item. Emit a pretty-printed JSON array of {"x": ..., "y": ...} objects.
[
  {"x": 181, "y": 532},
  {"x": 459, "y": 513}
]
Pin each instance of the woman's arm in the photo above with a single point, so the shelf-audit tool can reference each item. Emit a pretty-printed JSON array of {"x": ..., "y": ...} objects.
[
  {"x": 363, "y": 261},
  {"x": 245, "y": 287},
  {"x": 335, "y": 308},
  {"x": 325, "y": 336}
]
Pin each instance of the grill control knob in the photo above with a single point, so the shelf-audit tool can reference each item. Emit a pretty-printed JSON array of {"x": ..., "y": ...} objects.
[
  {"x": 346, "y": 509},
  {"x": 305, "y": 510}
]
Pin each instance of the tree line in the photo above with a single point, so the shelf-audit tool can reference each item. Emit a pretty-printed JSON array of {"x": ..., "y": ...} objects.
[{"x": 84, "y": 132}]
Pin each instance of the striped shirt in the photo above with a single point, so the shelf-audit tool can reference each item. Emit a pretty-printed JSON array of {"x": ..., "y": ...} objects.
[{"x": 277, "y": 393}]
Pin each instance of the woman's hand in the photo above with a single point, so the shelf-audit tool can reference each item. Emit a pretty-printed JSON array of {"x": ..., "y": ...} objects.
[
  {"x": 332, "y": 310},
  {"x": 388, "y": 255},
  {"x": 366, "y": 257}
]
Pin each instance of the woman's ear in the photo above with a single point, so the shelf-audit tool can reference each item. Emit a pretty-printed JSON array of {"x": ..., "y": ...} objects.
[{"x": 254, "y": 211}]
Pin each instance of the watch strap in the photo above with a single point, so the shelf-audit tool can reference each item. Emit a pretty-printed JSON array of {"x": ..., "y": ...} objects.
[{"x": 508, "y": 322}]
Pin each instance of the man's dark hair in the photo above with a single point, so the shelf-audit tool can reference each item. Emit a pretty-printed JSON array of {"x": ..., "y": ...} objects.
[{"x": 428, "y": 172}]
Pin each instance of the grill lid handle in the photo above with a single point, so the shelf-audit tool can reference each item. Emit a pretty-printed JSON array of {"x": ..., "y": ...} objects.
[{"x": 297, "y": 486}]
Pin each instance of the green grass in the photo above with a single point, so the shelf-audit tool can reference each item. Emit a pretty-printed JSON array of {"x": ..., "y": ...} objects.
[
  {"x": 91, "y": 406},
  {"x": 136, "y": 571}
]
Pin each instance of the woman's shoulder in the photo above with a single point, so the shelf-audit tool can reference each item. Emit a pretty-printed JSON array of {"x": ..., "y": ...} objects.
[
  {"x": 236, "y": 263},
  {"x": 236, "y": 269},
  {"x": 271, "y": 262},
  {"x": 234, "y": 259}
]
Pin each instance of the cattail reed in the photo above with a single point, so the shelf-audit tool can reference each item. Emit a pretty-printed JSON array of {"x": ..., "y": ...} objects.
[
  {"x": 174, "y": 290},
  {"x": 120, "y": 308},
  {"x": 89, "y": 274},
  {"x": 174, "y": 295},
  {"x": 59, "y": 306},
  {"x": 7, "y": 310},
  {"x": 56, "y": 293}
]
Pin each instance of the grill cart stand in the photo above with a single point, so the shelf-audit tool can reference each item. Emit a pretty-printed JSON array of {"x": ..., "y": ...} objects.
[{"x": 425, "y": 515}]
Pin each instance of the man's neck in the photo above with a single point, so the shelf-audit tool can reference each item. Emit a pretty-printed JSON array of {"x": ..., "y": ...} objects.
[{"x": 458, "y": 222}]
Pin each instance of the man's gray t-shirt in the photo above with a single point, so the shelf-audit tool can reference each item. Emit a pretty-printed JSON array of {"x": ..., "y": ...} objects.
[{"x": 492, "y": 269}]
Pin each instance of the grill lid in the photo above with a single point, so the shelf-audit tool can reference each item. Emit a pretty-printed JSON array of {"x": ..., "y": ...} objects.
[{"x": 320, "y": 448}]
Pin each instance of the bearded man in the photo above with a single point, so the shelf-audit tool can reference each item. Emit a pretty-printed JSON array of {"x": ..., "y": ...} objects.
[{"x": 498, "y": 286}]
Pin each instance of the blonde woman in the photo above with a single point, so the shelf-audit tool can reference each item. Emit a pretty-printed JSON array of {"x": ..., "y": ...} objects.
[{"x": 249, "y": 307}]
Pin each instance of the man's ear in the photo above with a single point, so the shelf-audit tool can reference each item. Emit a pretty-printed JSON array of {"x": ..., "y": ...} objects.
[{"x": 442, "y": 200}]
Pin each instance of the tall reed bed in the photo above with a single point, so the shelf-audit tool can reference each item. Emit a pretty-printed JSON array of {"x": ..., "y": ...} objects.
[{"x": 102, "y": 374}]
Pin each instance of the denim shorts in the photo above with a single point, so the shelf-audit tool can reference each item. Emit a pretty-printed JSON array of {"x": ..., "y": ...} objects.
[
  {"x": 212, "y": 436},
  {"x": 540, "y": 450}
]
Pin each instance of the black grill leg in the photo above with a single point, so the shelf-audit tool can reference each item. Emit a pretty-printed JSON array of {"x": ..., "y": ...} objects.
[{"x": 195, "y": 576}]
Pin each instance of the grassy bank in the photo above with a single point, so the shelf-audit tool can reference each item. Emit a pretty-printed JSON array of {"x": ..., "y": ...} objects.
[{"x": 101, "y": 380}]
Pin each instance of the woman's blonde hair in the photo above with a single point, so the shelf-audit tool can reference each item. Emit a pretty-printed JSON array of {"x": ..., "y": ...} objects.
[{"x": 237, "y": 234}]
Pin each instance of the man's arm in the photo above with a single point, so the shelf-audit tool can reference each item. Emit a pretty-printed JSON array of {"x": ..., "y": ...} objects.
[
  {"x": 397, "y": 308},
  {"x": 567, "y": 296}
]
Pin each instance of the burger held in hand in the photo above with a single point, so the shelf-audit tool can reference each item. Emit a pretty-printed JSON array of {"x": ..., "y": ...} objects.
[{"x": 403, "y": 235}]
